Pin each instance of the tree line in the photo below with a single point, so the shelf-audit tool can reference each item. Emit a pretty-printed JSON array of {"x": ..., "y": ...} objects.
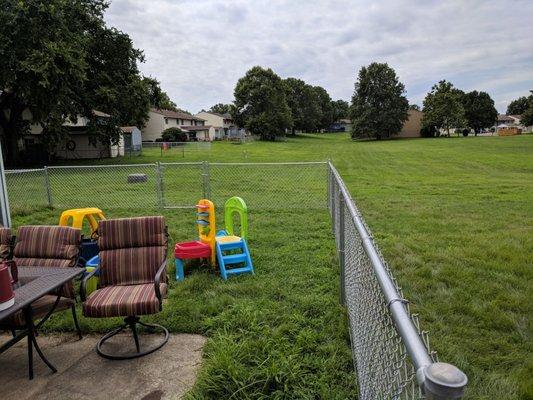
[{"x": 269, "y": 106}]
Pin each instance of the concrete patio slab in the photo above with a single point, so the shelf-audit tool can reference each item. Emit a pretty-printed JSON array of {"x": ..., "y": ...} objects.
[{"x": 81, "y": 374}]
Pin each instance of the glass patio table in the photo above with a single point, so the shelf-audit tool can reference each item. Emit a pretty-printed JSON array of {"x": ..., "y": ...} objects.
[{"x": 34, "y": 283}]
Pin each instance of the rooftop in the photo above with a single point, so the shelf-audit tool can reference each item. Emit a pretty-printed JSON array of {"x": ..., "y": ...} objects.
[{"x": 176, "y": 114}]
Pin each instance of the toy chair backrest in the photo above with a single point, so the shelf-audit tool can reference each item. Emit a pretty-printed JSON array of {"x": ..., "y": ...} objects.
[{"x": 238, "y": 206}]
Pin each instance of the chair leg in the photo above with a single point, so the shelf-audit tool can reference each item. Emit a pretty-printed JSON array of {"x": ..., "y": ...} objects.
[
  {"x": 132, "y": 322},
  {"x": 133, "y": 327},
  {"x": 75, "y": 318}
]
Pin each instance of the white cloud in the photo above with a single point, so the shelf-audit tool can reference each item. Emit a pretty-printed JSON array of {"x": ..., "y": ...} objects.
[{"x": 198, "y": 49}]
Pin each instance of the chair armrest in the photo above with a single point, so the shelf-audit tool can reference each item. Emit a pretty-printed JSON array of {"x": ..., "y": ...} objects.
[
  {"x": 157, "y": 280},
  {"x": 83, "y": 285}
]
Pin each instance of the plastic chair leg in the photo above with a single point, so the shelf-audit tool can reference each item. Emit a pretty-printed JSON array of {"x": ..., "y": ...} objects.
[{"x": 180, "y": 274}]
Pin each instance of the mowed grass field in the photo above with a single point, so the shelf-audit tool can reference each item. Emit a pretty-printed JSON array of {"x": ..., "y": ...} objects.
[{"x": 454, "y": 220}]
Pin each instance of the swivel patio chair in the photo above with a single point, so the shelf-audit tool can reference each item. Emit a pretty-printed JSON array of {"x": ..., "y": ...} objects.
[
  {"x": 132, "y": 280},
  {"x": 47, "y": 246}
]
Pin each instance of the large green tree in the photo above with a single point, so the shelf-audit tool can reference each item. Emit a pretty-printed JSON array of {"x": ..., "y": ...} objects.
[
  {"x": 60, "y": 61},
  {"x": 304, "y": 105},
  {"x": 326, "y": 116},
  {"x": 341, "y": 109},
  {"x": 157, "y": 97},
  {"x": 518, "y": 106},
  {"x": 221, "y": 108},
  {"x": 261, "y": 103},
  {"x": 379, "y": 106},
  {"x": 479, "y": 110},
  {"x": 527, "y": 114},
  {"x": 443, "y": 108}
]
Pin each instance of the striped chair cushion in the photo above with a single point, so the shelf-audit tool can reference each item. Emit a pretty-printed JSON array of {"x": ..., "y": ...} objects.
[
  {"x": 131, "y": 232},
  {"x": 39, "y": 308},
  {"x": 5, "y": 243},
  {"x": 131, "y": 250},
  {"x": 123, "y": 301},
  {"x": 48, "y": 246},
  {"x": 57, "y": 242},
  {"x": 130, "y": 266}
]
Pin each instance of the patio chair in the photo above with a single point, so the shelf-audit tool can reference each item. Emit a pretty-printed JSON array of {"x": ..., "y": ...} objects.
[
  {"x": 132, "y": 280},
  {"x": 6, "y": 244},
  {"x": 47, "y": 246}
]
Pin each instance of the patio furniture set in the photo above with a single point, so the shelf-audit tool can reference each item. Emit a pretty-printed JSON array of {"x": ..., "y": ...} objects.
[{"x": 45, "y": 262}]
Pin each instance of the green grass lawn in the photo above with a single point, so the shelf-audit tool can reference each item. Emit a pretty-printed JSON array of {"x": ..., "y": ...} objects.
[{"x": 453, "y": 218}]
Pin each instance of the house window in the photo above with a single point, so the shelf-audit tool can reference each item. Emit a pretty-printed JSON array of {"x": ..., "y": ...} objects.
[{"x": 166, "y": 121}]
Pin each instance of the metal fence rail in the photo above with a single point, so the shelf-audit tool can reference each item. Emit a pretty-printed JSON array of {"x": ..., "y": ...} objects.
[{"x": 391, "y": 353}]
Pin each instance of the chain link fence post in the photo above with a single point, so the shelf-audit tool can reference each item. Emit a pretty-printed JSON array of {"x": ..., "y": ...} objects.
[
  {"x": 47, "y": 186},
  {"x": 206, "y": 181},
  {"x": 159, "y": 185}
]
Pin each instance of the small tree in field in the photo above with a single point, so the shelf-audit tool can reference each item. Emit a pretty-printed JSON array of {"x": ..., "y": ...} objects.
[
  {"x": 379, "y": 107},
  {"x": 261, "y": 105},
  {"x": 443, "y": 108},
  {"x": 174, "y": 134},
  {"x": 479, "y": 110}
]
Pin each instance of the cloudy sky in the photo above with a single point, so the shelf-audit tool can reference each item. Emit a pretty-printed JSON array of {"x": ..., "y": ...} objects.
[{"x": 198, "y": 49}]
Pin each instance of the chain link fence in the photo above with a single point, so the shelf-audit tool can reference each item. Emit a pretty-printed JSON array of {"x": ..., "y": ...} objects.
[
  {"x": 391, "y": 354},
  {"x": 169, "y": 185}
]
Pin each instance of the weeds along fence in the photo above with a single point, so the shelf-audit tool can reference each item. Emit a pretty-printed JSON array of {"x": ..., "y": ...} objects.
[
  {"x": 391, "y": 353},
  {"x": 169, "y": 185}
]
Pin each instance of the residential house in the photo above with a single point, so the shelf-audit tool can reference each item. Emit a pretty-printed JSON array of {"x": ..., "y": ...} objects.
[
  {"x": 410, "y": 129},
  {"x": 159, "y": 120},
  {"x": 412, "y": 126},
  {"x": 77, "y": 145},
  {"x": 223, "y": 125},
  {"x": 513, "y": 122}
]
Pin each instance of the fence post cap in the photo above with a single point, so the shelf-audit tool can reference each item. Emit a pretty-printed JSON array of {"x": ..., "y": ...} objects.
[{"x": 444, "y": 381}]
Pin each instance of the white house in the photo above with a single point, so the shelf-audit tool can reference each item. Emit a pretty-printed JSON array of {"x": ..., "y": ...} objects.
[
  {"x": 159, "y": 120},
  {"x": 512, "y": 121},
  {"x": 222, "y": 124}
]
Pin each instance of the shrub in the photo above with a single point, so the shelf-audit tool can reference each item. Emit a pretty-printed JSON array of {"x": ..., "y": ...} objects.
[{"x": 174, "y": 135}]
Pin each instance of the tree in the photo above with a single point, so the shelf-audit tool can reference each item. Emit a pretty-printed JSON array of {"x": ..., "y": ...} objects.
[
  {"x": 341, "y": 109},
  {"x": 174, "y": 134},
  {"x": 518, "y": 106},
  {"x": 261, "y": 104},
  {"x": 158, "y": 98},
  {"x": 414, "y": 107},
  {"x": 304, "y": 105},
  {"x": 443, "y": 108},
  {"x": 60, "y": 61},
  {"x": 479, "y": 110},
  {"x": 114, "y": 84},
  {"x": 379, "y": 106},
  {"x": 221, "y": 108},
  {"x": 326, "y": 117},
  {"x": 527, "y": 115}
]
